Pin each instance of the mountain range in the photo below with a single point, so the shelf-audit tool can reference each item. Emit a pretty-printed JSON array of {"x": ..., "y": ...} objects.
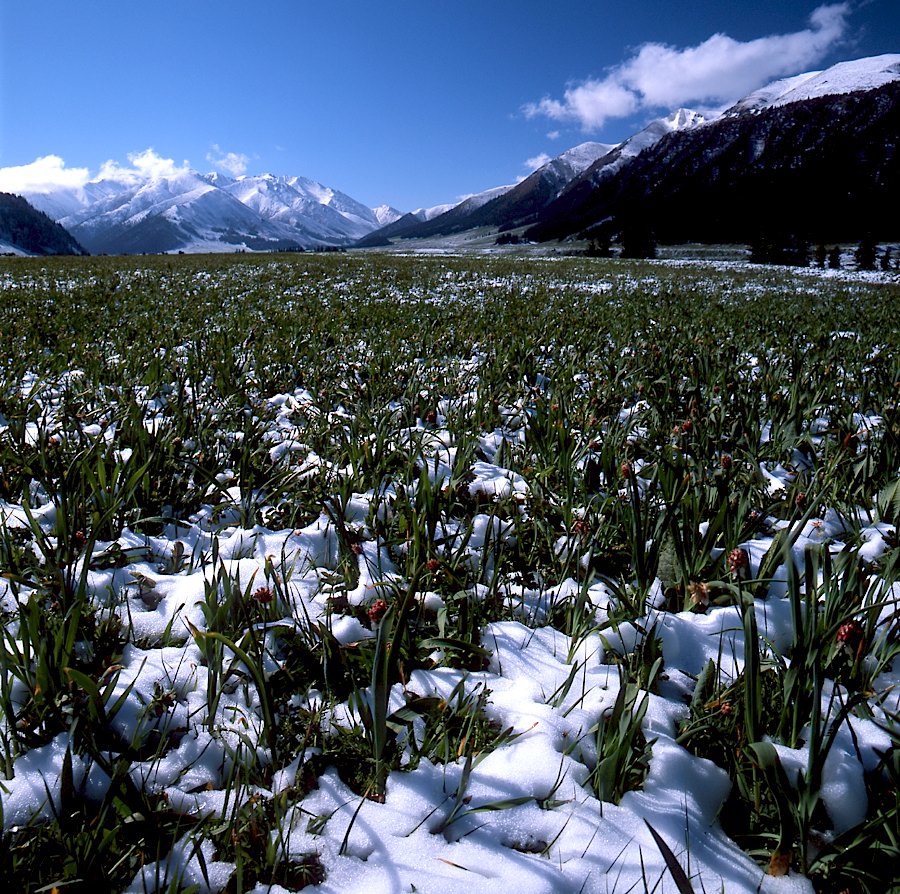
[
  {"x": 815, "y": 155},
  {"x": 190, "y": 211}
]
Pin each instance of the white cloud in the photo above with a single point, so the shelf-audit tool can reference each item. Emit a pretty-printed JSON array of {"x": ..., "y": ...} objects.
[
  {"x": 234, "y": 163},
  {"x": 49, "y": 173},
  {"x": 43, "y": 175},
  {"x": 718, "y": 70},
  {"x": 146, "y": 165},
  {"x": 537, "y": 162}
]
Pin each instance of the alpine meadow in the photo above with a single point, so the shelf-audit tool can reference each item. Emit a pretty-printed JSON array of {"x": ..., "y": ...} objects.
[{"x": 372, "y": 572}]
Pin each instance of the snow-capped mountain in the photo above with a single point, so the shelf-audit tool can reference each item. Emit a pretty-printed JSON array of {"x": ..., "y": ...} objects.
[
  {"x": 619, "y": 156},
  {"x": 188, "y": 211},
  {"x": 815, "y": 157},
  {"x": 385, "y": 214},
  {"x": 496, "y": 206},
  {"x": 303, "y": 204},
  {"x": 423, "y": 214},
  {"x": 845, "y": 77},
  {"x": 674, "y": 122}
]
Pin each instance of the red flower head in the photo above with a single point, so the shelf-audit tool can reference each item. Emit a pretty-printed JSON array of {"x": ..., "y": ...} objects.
[
  {"x": 851, "y": 638},
  {"x": 377, "y": 610},
  {"x": 739, "y": 563},
  {"x": 263, "y": 595}
]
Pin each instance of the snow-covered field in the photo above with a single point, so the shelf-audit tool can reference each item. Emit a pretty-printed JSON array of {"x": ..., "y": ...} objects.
[{"x": 448, "y": 574}]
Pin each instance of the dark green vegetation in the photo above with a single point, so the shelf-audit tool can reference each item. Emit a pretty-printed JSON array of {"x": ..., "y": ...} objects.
[
  {"x": 33, "y": 231},
  {"x": 827, "y": 169},
  {"x": 724, "y": 370}
]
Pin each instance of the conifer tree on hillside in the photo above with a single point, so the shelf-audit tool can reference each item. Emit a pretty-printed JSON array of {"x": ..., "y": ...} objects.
[{"x": 866, "y": 254}]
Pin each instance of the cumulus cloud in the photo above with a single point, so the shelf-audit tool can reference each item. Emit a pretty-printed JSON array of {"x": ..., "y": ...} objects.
[
  {"x": 537, "y": 162},
  {"x": 43, "y": 175},
  {"x": 717, "y": 71},
  {"x": 146, "y": 165},
  {"x": 234, "y": 163},
  {"x": 49, "y": 173}
]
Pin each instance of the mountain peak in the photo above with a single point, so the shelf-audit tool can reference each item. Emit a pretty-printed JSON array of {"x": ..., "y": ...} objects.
[
  {"x": 181, "y": 209},
  {"x": 844, "y": 77}
]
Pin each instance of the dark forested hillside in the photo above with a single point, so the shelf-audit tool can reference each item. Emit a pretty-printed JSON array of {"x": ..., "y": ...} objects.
[
  {"x": 826, "y": 169},
  {"x": 31, "y": 231}
]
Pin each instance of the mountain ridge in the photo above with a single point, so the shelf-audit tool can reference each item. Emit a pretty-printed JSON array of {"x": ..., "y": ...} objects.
[
  {"x": 825, "y": 168},
  {"x": 549, "y": 210},
  {"x": 186, "y": 210},
  {"x": 802, "y": 150}
]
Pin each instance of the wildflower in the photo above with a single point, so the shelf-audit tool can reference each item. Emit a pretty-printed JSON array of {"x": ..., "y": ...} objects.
[
  {"x": 699, "y": 594},
  {"x": 800, "y": 500},
  {"x": 263, "y": 595},
  {"x": 377, "y": 610},
  {"x": 725, "y": 461},
  {"x": 79, "y": 539},
  {"x": 739, "y": 563},
  {"x": 625, "y": 469},
  {"x": 433, "y": 565},
  {"x": 581, "y": 528},
  {"x": 851, "y": 638}
]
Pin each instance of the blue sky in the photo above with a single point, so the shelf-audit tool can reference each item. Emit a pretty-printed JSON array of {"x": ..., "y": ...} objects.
[{"x": 406, "y": 103}]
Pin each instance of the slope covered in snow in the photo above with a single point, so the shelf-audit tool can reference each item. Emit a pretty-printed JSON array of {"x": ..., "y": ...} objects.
[
  {"x": 845, "y": 77},
  {"x": 189, "y": 211},
  {"x": 386, "y": 214}
]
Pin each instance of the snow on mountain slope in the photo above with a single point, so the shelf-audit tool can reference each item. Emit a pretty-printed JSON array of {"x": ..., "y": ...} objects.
[
  {"x": 302, "y": 204},
  {"x": 845, "y": 77},
  {"x": 385, "y": 214},
  {"x": 610, "y": 163},
  {"x": 189, "y": 211},
  {"x": 169, "y": 214},
  {"x": 432, "y": 212},
  {"x": 680, "y": 119},
  {"x": 331, "y": 198},
  {"x": 579, "y": 158},
  {"x": 470, "y": 203}
]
